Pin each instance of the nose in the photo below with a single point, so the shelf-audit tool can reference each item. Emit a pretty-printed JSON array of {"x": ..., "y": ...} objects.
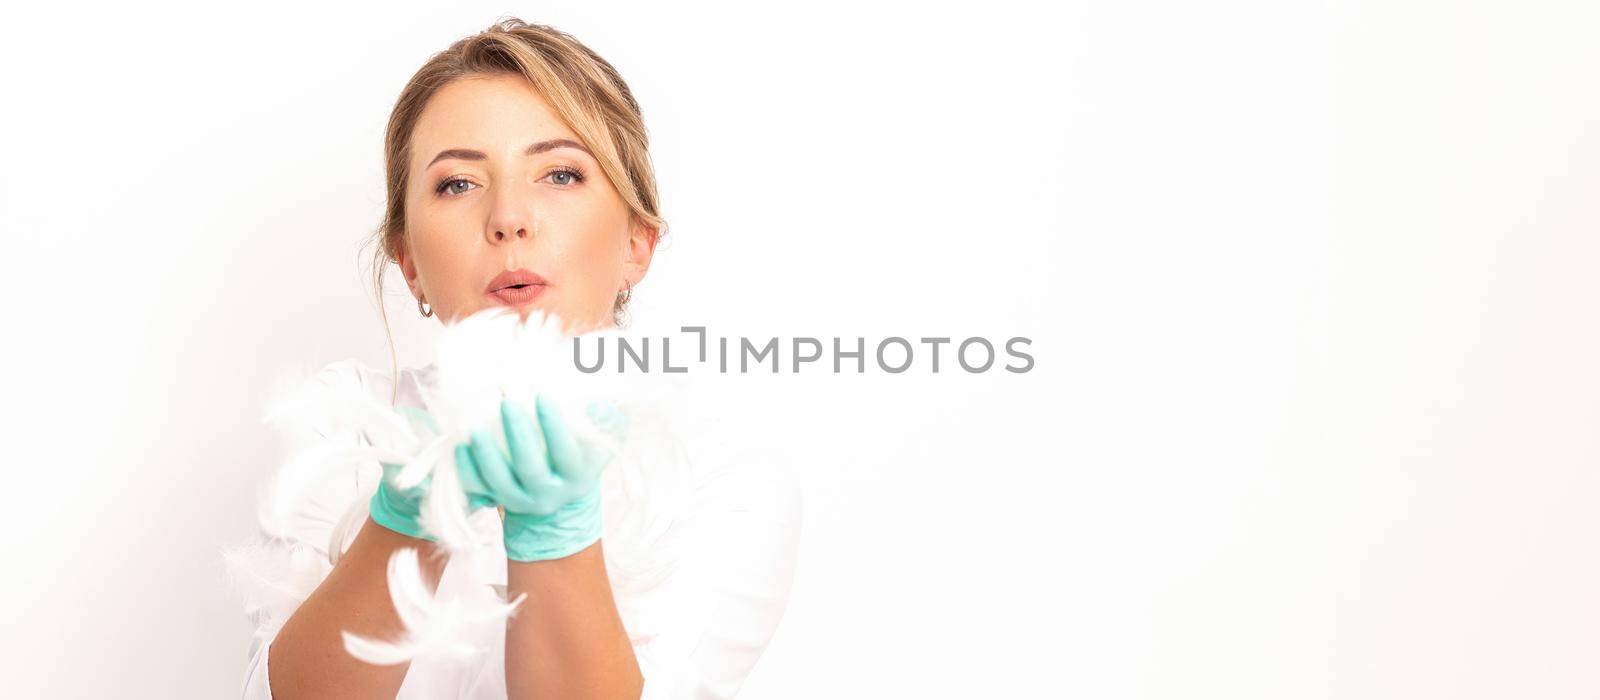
[
  {"x": 510, "y": 219},
  {"x": 501, "y": 234}
]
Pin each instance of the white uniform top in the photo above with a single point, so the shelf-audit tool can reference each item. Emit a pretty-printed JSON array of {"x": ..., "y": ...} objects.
[{"x": 696, "y": 634}]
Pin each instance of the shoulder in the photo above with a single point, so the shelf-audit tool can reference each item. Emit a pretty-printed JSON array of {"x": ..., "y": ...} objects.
[
  {"x": 741, "y": 565},
  {"x": 750, "y": 501},
  {"x": 745, "y": 518},
  {"x": 349, "y": 367},
  {"x": 757, "y": 484},
  {"x": 734, "y": 544},
  {"x": 351, "y": 374},
  {"x": 736, "y": 470}
]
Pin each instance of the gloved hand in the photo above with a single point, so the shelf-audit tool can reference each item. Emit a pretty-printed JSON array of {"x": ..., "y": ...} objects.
[
  {"x": 549, "y": 484},
  {"x": 400, "y": 509}
]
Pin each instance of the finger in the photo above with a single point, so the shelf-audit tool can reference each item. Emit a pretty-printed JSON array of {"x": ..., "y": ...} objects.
[
  {"x": 492, "y": 466},
  {"x": 529, "y": 461},
  {"x": 479, "y": 494},
  {"x": 564, "y": 451},
  {"x": 467, "y": 469}
]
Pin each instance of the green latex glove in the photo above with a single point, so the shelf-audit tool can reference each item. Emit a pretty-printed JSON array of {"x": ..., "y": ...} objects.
[
  {"x": 400, "y": 509},
  {"x": 549, "y": 483}
]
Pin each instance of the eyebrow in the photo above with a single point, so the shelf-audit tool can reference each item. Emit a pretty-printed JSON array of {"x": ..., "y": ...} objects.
[{"x": 534, "y": 149}]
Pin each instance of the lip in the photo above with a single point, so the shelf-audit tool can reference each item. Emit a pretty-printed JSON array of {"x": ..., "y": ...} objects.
[{"x": 516, "y": 287}]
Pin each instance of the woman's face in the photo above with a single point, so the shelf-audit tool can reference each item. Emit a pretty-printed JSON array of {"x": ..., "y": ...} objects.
[{"x": 498, "y": 183}]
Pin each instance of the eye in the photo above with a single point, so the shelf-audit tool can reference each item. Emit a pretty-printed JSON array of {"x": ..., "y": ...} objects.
[
  {"x": 454, "y": 186},
  {"x": 565, "y": 176}
]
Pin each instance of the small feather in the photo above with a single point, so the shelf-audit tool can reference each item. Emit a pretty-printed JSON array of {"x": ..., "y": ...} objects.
[{"x": 433, "y": 627}]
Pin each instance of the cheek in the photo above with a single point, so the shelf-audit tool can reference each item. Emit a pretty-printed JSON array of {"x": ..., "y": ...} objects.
[
  {"x": 442, "y": 257},
  {"x": 588, "y": 257}
]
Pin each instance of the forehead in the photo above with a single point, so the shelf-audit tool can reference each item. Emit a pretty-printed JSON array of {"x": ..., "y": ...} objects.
[{"x": 497, "y": 114}]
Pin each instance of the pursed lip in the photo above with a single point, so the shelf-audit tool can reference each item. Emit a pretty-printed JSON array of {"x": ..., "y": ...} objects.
[{"x": 514, "y": 278}]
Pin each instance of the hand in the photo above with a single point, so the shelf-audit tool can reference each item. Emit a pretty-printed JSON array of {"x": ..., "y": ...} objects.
[
  {"x": 548, "y": 484},
  {"x": 400, "y": 509}
]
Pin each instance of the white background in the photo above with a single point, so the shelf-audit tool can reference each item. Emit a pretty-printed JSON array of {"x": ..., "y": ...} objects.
[{"x": 1311, "y": 286}]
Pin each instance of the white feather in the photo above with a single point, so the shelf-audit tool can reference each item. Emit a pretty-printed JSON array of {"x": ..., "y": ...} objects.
[
  {"x": 273, "y": 578},
  {"x": 343, "y": 532},
  {"x": 325, "y": 405},
  {"x": 433, "y": 628},
  {"x": 444, "y": 511},
  {"x": 489, "y": 356},
  {"x": 286, "y": 496}
]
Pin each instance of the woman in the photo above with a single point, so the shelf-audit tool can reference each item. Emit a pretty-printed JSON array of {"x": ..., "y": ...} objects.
[{"x": 518, "y": 176}]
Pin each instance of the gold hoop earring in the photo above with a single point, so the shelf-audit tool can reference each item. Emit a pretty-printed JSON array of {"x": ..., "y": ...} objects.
[{"x": 426, "y": 312}]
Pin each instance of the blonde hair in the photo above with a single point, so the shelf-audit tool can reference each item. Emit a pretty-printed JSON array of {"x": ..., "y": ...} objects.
[{"x": 583, "y": 89}]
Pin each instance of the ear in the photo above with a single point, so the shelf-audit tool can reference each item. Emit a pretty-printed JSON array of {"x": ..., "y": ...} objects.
[
  {"x": 641, "y": 247},
  {"x": 408, "y": 267}
]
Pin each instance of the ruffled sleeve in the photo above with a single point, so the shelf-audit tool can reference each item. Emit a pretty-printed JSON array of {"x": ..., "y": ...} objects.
[
  {"x": 725, "y": 600},
  {"x": 294, "y": 548}
]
